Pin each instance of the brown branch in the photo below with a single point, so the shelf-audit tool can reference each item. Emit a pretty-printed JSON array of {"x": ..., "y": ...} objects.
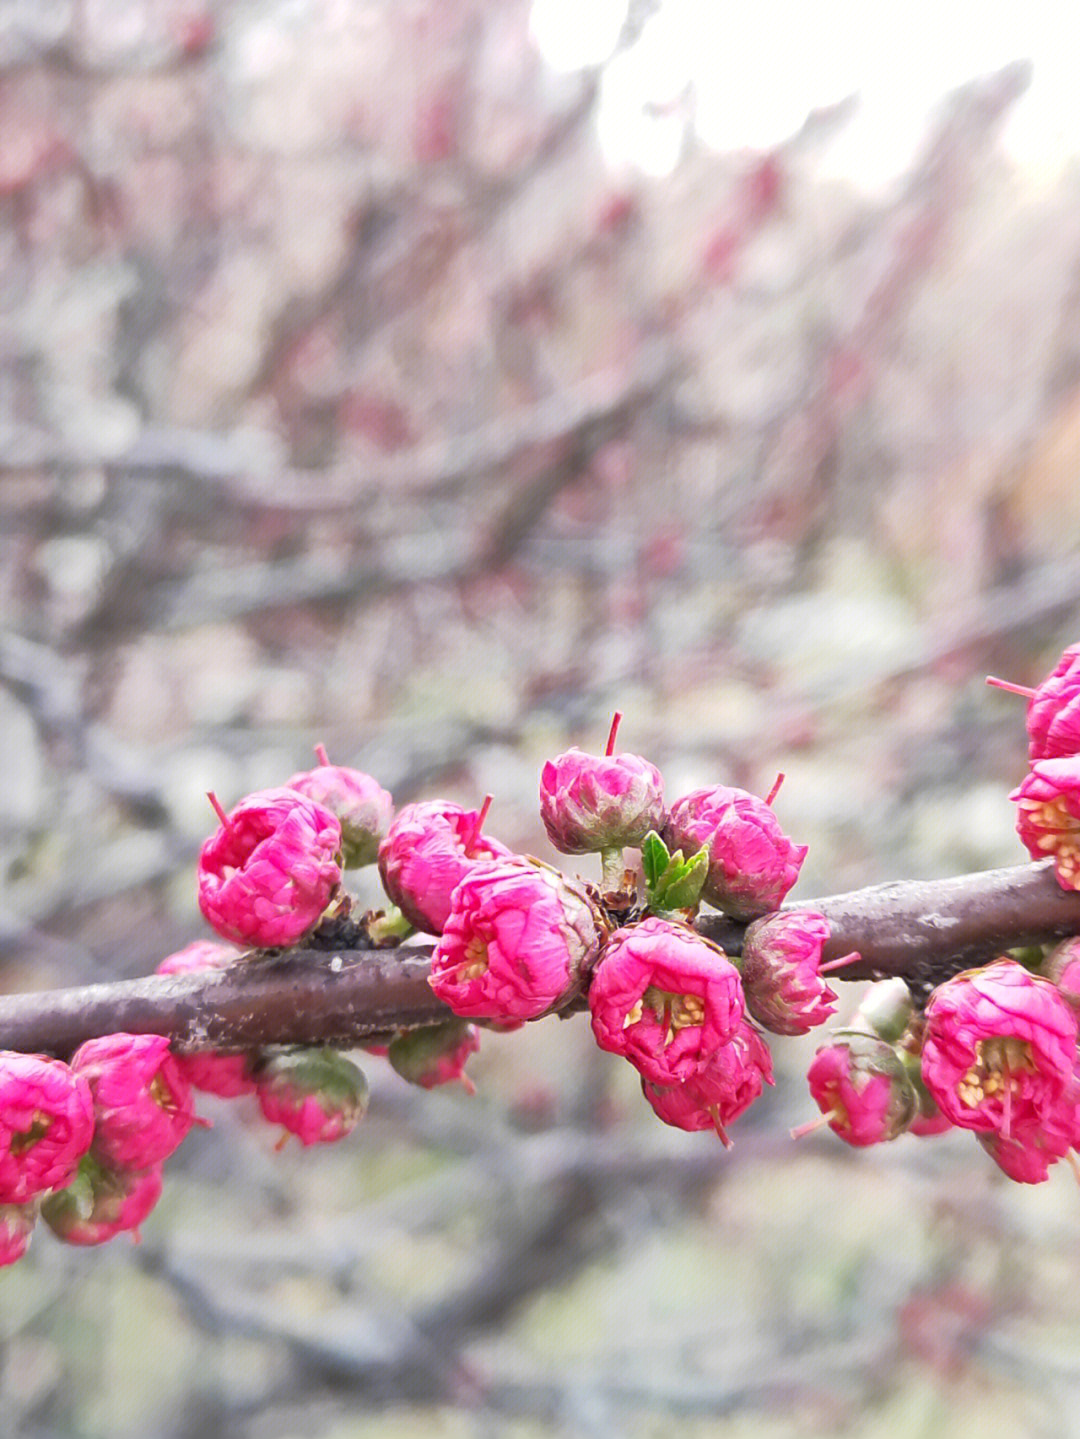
[{"x": 921, "y": 930}]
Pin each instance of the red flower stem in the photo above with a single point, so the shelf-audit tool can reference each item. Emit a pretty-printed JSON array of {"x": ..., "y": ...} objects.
[
  {"x": 844, "y": 962},
  {"x": 802, "y": 1130},
  {"x": 616, "y": 721},
  {"x": 222, "y": 816},
  {"x": 775, "y": 789},
  {"x": 321, "y": 755},
  {"x": 1024, "y": 690},
  {"x": 481, "y": 816}
]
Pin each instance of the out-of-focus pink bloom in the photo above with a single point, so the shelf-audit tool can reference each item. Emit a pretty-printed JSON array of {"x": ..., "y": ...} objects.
[
  {"x": 999, "y": 1049},
  {"x": 591, "y": 802},
  {"x": 364, "y": 809},
  {"x": 1048, "y": 816},
  {"x": 46, "y": 1124},
  {"x": 516, "y": 940},
  {"x": 665, "y": 999},
  {"x": 200, "y": 954},
  {"x": 102, "y": 1203},
  {"x": 266, "y": 876},
  {"x": 1053, "y": 716},
  {"x": 752, "y": 863},
  {"x": 780, "y": 971},
  {"x": 316, "y": 1094},
  {"x": 436, "y": 1054},
  {"x": 1028, "y": 1151},
  {"x": 1062, "y": 968},
  {"x": 719, "y": 1092},
  {"x": 142, "y": 1103},
  {"x": 860, "y": 1085},
  {"x": 925, "y": 1126},
  {"x": 427, "y": 851},
  {"x": 16, "y": 1226}
]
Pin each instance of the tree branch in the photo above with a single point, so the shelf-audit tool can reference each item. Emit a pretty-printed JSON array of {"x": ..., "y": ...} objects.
[{"x": 922, "y": 930}]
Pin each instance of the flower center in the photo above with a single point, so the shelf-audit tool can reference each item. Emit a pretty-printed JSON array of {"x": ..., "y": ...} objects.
[
  {"x": 476, "y": 959},
  {"x": 39, "y": 1127},
  {"x": 673, "y": 1011},
  {"x": 1061, "y": 833},
  {"x": 997, "y": 1061},
  {"x": 162, "y": 1095}
]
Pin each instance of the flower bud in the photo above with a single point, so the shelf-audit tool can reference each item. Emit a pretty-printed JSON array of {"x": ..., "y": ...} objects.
[
  {"x": 316, "y": 1094},
  {"x": 427, "y": 851},
  {"x": 780, "y": 971},
  {"x": 516, "y": 940},
  {"x": 727, "y": 1084},
  {"x": 362, "y": 806},
  {"x": 665, "y": 999},
  {"x": 594, "y": 802},
  {"x": 885, "y": 1009},
  {"x": 16, "y": 1227},
  {"x": 752, "y": 863},
  {"x": 435, "y": 1054},
  {"x": 101, "y": 1203},
  {"x": 862, "y": 1088},
  {"x": 46, "y": 1124},
  {"x": 1053, "y": 716},
  {"x": 142, "y": 1103}
]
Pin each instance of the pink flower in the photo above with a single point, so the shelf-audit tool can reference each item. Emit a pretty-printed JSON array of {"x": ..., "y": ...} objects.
[
  {"x": 268, "y": 873},
  {"x": 1062, "y": 968},
  {"x": 860, "y": 1086},
  {"x": 718, "y": 1093},
  {"x": 752, "y": 863},
  {"x": 362, "y": 806},
  {"x": 16, "y": 1227},
  {"x": 46, "y": 1124},
  {"x": 593, "y": 802},
  {"x": 142, "y": 1103},
  {"x": 427, "y": 850},
  {"x": 200, "y": 954},
  {"x": 102, "y": 1203},
  {"x": 436, "y": 1054},
  {"x": 516, "y": 940},
  {"x": 316, "y": 1094},
  {"x": 1053, "y": 716},
  {"x": 665, "y": 999},
  {"x": 925, "y": 1126},
  {"x": 1028, "y": 1151},
  {"x": 780, "y": 963},
  {"x": 1048, "y": 816},
  {"x": 999, "y": 1050}
]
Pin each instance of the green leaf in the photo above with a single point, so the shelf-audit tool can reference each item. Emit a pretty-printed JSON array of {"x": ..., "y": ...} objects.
[
  {"x": 654, "y": 858},
  {"x": 683, "y": 891}
]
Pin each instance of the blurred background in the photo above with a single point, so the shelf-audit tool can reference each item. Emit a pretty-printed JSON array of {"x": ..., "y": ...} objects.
[{"x": 429, "y": 378}]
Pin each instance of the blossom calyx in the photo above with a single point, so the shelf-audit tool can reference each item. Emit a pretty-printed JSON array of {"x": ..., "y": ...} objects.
[
  {"x": 101, "y": 1203},
  {"x": 781, "y": 961},
  {"x": 665, "y": 999},
  {"x": 142, "y": 1102},
  {"x": 269, "y": 871},
  {"x": 517, "y": 939},
  {"x": 1048, "y": 815},
  {"x": 861, "y": 1086},
  {"x": 427, "y": 851},
  {"x": 46, "y": 1124},
  {"x": 752, "y": 863},
  {"x": 363, "y": 808},
  {"x": 592, "y": 802},
  {"x": 316, "y": 1094},
  {"x": 727, "y": 1084},
  {"x": 999, "y": 1050}
]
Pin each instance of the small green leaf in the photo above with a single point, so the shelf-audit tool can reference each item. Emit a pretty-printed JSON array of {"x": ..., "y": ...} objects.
[
  {"x": 684, "y": 889},
  {"x": 654, "y": 858}
]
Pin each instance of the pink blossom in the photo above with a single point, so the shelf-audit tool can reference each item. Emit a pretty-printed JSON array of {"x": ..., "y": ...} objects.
[
  {"x": 1028, "y": 1151},
  {"x": 1053, "y": 715},
  {"x": 16, "y": 1227},
  {"x": 925, "y": 1126},
  {"x": 1062, "y": 968},
  {"x": 266, "y": 875},
  {"x": 46, "y": 1124},
  {"x": 362, "y": 806},
  {"x": 999, "y": 1049},
  {"x": 1048, "y": 816},
  {"x": 427, "y": 850},
  {"x": 517, "y": 937},
  {"x": 860, "y": 1086},
  {"x": 664, "y": 998},
  {"x": 593, "y": 802},
  {"x": 780, "y": 970},
  {"x": 436, "y": 1054},
  {"x": 200, "y": 954},
  {"x": 752, "y": 863},
  {"x": 316, "y": 1094},
  {"x": 102, "y": 1203},
  {"x": 726, "y": 1086},
  {"x": 142, "y": 1103}
]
